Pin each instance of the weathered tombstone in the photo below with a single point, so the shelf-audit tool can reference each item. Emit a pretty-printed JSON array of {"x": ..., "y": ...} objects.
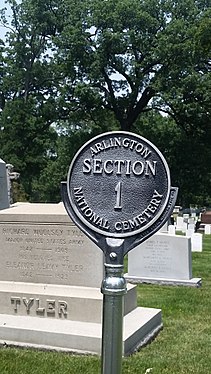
[
  {"x": 162, "y": 259},
  {"x": 4, "y": 199},
  {"x": 118, "y": 192}
]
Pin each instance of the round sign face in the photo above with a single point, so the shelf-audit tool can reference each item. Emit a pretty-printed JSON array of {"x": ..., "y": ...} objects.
[{"x": 118, "y": 184}]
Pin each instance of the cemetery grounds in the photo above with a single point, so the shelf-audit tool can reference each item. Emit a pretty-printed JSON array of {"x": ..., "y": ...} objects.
[{"x": 182, "y": 347}]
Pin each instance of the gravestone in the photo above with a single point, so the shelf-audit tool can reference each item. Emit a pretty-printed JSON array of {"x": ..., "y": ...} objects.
[
  {"x": 189, "y": 232},
  {"x": 162, "y": 259},
  {"x": 185, "y": 217},
  {"x": 179, "y": 223},
  {"x": 4, "y": 199},
  {"x": 206, "y": 217},
  {"x": 39, "y": 245},
  {"x": 184, "y": 227},
  {"x": 50, "y": 290},
  {"x": 196, "y": 242},
  {"x": 191, "y": 226},
  {"x": 207, "y": 229},
  {"x": 172, "y": 229}
]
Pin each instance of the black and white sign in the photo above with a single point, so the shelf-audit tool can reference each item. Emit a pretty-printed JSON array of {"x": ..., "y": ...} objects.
[{"x": 118, "y": 184}]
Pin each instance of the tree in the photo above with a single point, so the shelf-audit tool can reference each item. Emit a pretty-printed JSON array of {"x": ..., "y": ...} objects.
[
  {"x": 82, "y": 67},
  {"x": 126, "y": 56},
  {"x": 132, "y": 56},
  {"x": 27, "y": 108},
  {"x": 188, "y": 157}
]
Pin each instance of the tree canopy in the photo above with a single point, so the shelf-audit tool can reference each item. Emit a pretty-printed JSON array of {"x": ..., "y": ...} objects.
[{"x": 78, "y": 68}]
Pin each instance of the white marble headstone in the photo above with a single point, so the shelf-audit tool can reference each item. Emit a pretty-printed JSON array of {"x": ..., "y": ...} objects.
[
  {"x": 163, "y": 256},
  {"x": 189, "y": 232},
  {"x": 207, "y": 229},
  {"x": 171, "y": 229},
  {"x": 196, "y": 242},
  {"x": 162, "y": 259},
  {"x": 179, "y": 223}
]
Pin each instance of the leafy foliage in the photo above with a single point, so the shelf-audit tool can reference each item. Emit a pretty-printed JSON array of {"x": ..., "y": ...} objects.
[
  {"x": 188, "y": 157},
  {"x": 73, "y": 69}
]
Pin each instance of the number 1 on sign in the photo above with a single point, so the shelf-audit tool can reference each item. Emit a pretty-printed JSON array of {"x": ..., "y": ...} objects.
[{"x": 118, "y": 190}]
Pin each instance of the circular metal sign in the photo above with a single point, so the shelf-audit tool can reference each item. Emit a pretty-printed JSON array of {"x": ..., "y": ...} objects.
[{"x": 118, "y": 184}]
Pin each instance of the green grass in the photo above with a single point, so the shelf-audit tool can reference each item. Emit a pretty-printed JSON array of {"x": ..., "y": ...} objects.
[{"x": 182, "y": 347}]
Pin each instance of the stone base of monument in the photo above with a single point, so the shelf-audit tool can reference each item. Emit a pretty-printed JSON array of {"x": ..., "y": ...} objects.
[
  {"x": 36, "y": 315},
  {"x": 50, "y": 278},
  {"x": 194, "y": 282},
  {"x": 140, "y": 326}
]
